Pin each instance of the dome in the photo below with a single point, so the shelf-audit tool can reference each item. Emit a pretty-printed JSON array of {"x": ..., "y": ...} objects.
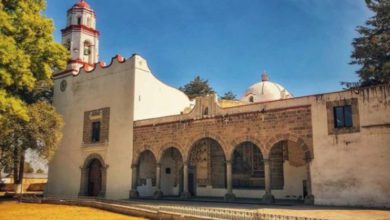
[
  {"x": 82, "y": 4},
  {"x": 265, "y": 91}
]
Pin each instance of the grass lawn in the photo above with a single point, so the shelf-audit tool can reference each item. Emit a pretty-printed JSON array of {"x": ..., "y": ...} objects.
[{"x": 11, "y": 210}]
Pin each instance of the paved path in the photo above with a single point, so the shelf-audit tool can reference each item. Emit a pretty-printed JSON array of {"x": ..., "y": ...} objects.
[{"x": 337, "y": 213}]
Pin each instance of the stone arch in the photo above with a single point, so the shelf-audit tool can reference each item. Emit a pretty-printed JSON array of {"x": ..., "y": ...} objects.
[
  {"x": 171, "y": 171},
  {"x": 247, "y": 166},
  {"x": 88, "y": 51},
  {"x": 190, "y": 144},
  {"x": 100, "y": 168},
  {"x": 289, "y": 156},
  {"x": 288, "y": 137},
  {"x": 139, "y": 151},
  {"x": 241, "y": 140},
  {"x": 147, "y": 177},
  {"x": 207, "y": 164},
  {"x": 166, "y": 146}
]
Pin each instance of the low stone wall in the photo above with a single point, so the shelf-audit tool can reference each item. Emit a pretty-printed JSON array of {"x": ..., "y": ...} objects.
[{"x": 170, "y": 212}]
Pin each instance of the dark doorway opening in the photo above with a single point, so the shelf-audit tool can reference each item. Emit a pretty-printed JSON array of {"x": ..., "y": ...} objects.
[{"x": 94, "y": 178}]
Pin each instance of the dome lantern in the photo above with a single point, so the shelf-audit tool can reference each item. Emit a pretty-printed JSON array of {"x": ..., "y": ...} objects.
[
  {"x": 265, "y": 90},
  {"x": 264, "y": 76}
]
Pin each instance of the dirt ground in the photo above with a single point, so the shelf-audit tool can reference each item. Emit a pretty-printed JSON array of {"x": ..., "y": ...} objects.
[{"x": 11, "y": 210}]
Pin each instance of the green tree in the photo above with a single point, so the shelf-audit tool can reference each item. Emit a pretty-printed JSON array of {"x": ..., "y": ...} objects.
[
  {"x": 41, "y": 134},
  {"x": 197, "y": 87},
  {"x": 229, "y": 96},
  {"x": 372, "y": 47},
  {"x": 28, "y": 57}
]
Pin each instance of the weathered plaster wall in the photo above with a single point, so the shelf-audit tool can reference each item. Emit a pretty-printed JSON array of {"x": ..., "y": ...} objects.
[{"x": 353, "y": 168}]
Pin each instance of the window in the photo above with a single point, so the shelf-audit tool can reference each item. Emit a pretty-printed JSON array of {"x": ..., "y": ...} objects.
[
  {"x": 206, "y": 111},
  {"x": 87, "y": 51},
  {"x": 251, "y": 99},
  {"x": 67, "y": 45},
  {"x": 342, "y": 116},
  {"x": 78, "y": 20},
  {"x": 95, "y": 131}
]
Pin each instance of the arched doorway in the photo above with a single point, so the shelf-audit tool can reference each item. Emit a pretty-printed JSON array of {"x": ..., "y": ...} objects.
[
  {"x": 207, "y": 170},
  {"x": 171, "y": 172},
  {"x": 247, "y": 167},
  {"x": 146, "y": 181},
  {"x": 288, "y": 170},
  {"x": 94, "y": 178}
]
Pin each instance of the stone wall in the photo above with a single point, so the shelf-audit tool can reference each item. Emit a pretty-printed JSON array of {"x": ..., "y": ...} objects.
[{"x": 263, "y": 128}]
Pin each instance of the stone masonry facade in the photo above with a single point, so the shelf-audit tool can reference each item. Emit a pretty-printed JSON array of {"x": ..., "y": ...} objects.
[{"x": 263, "y": 128}]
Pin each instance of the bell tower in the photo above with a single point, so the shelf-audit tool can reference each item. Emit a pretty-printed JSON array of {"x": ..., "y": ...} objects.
[{"x": 80, "y": 36}]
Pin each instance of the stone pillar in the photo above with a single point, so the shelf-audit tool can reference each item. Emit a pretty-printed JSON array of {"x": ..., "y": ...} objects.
[
  {"x": 309, "y": 199},
  {"x": 133, "y": 192},
  {"x": 185, "y": 194},
  {"x": 158, "y": 194},
  {"x": 268, "y": 197},
  {"x": 83, "y": 181},
  {"x": 102, "y": 193},
  {"x": 229, "y": 196}
]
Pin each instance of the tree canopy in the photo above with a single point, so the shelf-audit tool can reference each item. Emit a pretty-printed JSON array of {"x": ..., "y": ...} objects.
[
  {"x": 229, "y": 96},
  {"x": 197, "y": 87},
  {"x": 28, "y": 57},
  {"x": 372, "y": 46}
]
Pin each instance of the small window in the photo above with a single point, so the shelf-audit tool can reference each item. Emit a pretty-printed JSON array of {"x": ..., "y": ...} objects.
[
  {"x": 206, "y": 111},
  {"x": 95, "y": 131},
  {"x": 67, "y": 45},
  {"x": 342, "y": 116},
  {"x": 251, "y": 99},
  {"x": 168, "y": 170},
  {"x": 87, "y": 51},
  {"x": 79, "y": 20}
]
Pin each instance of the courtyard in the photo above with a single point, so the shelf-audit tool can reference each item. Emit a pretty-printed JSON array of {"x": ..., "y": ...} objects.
[{"x": 11, "y": 210}]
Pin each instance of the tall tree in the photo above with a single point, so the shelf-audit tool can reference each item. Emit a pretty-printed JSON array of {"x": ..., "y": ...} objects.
[
  {"x": 197, "y": 87},
  {"x": 28, "y": 57},
  {"x": 41, "y": 134},
  {"x": 372, "y": 47},
  {"x": 229, "y": 96}
]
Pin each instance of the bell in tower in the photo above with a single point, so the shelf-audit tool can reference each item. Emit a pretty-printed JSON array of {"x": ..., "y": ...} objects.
[{"x": 80, "y": 36}]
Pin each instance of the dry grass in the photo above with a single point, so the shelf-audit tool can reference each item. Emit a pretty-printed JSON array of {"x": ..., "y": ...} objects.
[{"x": 11, "y": 210}]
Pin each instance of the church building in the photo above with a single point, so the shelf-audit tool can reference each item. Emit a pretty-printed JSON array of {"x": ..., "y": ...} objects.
[{"x": 129, "y": 135}]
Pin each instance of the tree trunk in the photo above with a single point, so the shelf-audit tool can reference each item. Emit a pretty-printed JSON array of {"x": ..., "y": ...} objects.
[{"x": 16, "y": 160}]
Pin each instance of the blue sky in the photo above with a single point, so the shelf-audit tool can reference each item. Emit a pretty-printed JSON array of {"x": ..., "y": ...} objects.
[{"x": 304, "y": 45}]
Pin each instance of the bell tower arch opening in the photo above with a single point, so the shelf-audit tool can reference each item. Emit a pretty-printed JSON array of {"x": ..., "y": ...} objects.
[{"x": 80, "y": 36}]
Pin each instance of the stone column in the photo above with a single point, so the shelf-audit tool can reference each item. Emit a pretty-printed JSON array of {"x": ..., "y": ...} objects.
[
  {"x": 309, "y": 199},
  {"x": 158, "y": 194},
  {"x": 102, "y": 193},
  {"x": 268, "y": 197},
  {"x": 83, "y": 181},
  {"x": 185, "y": 194},
  {"x": 229, "y": 196},
  {"x": 134, "y": 172}
]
